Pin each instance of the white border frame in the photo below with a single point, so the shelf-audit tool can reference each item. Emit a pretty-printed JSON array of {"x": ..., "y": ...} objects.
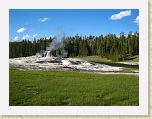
[{"x": 142, "y": 109}]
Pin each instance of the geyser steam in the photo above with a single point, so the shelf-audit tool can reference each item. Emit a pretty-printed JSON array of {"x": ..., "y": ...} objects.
[{"x": 56, "y": 44}]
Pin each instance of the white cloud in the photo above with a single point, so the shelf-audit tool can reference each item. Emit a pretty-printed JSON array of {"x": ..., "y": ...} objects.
[
  {"x": 43, "y": 19},
  {"x": 21, "y": 30},
  {"x": 26, "y": 36},
  {"x": 120, "y": 15},
  {"x": 16, "y": 38},
  {"x": 136, "y": 20},
  {"x": 35, "y": 35}
]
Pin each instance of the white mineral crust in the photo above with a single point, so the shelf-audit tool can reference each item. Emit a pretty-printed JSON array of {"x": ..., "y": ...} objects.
[{"x": 50, "y": 62}]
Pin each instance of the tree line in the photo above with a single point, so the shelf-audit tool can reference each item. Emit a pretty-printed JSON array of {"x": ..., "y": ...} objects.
[{"x": 109, "y": 46}]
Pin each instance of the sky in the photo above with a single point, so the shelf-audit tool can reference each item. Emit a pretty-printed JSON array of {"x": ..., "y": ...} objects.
[{"x": 40, "y": 23}]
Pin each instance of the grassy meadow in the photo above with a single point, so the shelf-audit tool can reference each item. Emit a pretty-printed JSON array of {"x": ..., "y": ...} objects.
[{"x": 72, "y": 88}]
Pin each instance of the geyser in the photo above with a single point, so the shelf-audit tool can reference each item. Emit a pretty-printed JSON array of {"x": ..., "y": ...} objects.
[
  {"x": 48, "y": 53},
  {"x": 50, "y": 62}
]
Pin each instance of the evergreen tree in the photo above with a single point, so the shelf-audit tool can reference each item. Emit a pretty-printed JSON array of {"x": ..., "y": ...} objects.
[{"x": 109, "y": 46}]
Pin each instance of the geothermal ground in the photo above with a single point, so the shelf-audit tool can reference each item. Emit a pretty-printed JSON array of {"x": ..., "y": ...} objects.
[
  {"x": 58, "y": 63},
  {"x": 47, "y": 63}
]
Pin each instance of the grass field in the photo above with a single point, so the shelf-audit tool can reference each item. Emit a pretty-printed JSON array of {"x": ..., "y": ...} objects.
[
  {"x": 71, "y": 88},
  {"x": 100, "y": 59}
]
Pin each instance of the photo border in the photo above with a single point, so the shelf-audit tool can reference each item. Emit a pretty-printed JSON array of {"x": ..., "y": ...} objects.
[{"x": 65, "y": 113}]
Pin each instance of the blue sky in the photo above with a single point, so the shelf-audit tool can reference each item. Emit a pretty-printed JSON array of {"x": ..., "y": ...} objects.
[{"x": 40, "y": 23}]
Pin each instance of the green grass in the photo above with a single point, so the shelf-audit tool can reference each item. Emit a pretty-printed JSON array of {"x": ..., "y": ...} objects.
[
  {"x": 129, "y": 69},
  {"x": 95, "y": 59},
  {"x": 132, "y": 59},
  {"x": 71, "y": 88}
]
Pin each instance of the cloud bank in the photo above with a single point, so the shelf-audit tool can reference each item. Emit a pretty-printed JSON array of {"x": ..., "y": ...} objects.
[
  {"x": 16, "y": 38},
  {"x": 120, "y": 15},
  {"x": 43, "y": 19},
  {"x": 26, "y": 36},
  {"x": 137, "y": 20},
  {"x": 35, "y": 35},
  {"x": 21, "y": 30}
]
